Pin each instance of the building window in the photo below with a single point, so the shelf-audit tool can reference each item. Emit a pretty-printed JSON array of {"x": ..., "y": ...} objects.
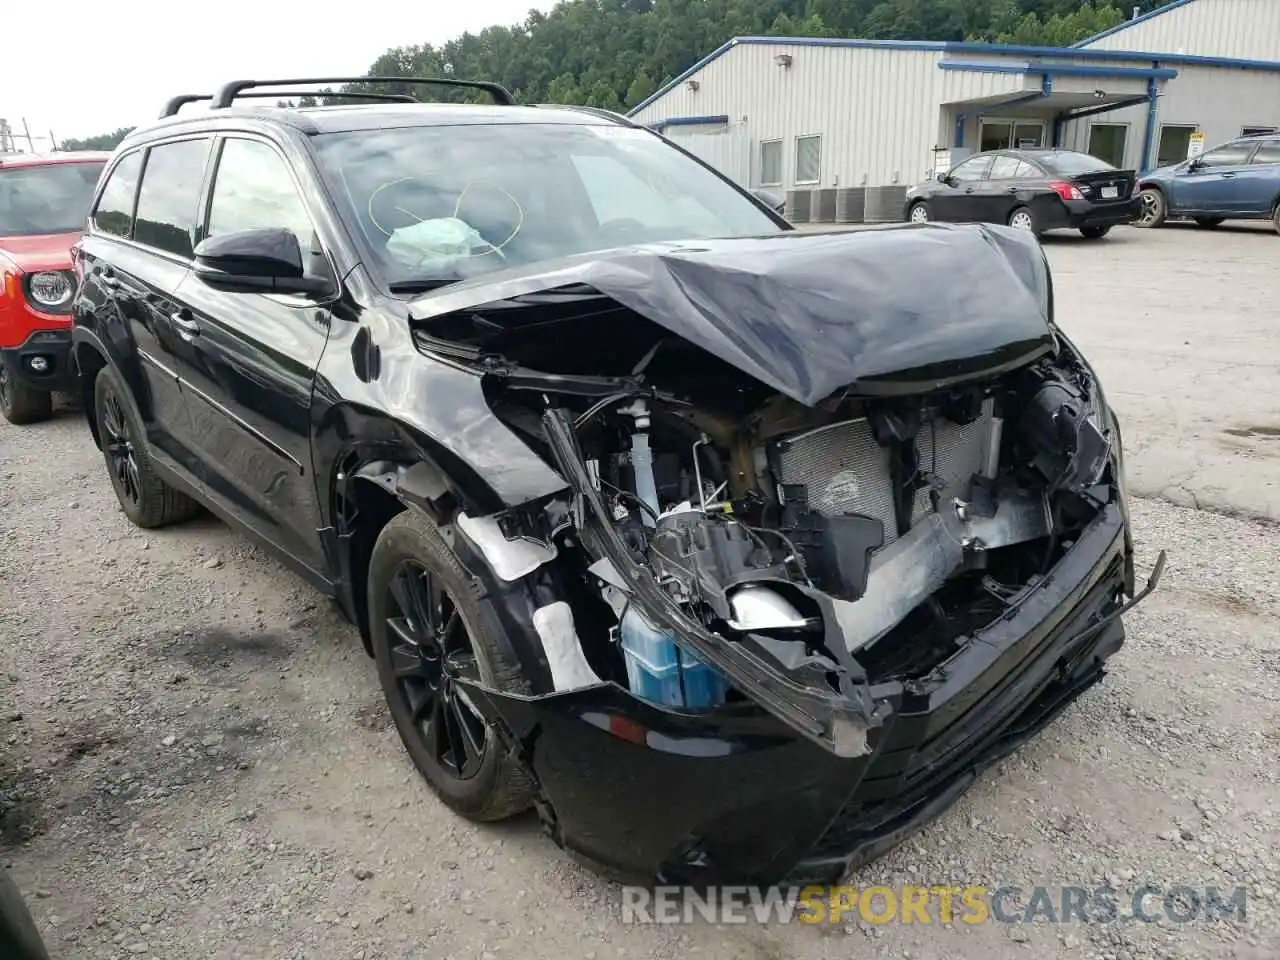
[
  {"x": 1256, "y": 131},
  {"x": 1107, "y": 142},
  {"x": 770, "y": 163},
  {"x": 1175, "y": 141},
  {"x": 808, "y": 159},
  {"x": 1009, "y": 134}
]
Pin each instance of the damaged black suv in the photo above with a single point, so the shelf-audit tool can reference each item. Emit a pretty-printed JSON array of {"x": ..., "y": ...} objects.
[{"x": 738, "y": 551}]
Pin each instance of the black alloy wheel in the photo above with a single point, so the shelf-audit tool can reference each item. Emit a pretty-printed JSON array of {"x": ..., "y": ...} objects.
[
  {"x": 144, "y": 495},
  {"x": 429, "y": 649},
  {"x": 118, "y": 448},
  {"x": 428, "y": 630}
]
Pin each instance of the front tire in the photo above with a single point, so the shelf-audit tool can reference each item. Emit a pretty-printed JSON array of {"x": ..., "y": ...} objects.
[
  {"x": 146, "y": 499},
  {"x": 919, "y": 212},
  {"x": 1275, "y": 217},
  {"x": 1153, "y": 211},
  {"x": 427, "y": 629},
  {"x": 22, "y": 404},
  {"x": 1094, "y": 233}
]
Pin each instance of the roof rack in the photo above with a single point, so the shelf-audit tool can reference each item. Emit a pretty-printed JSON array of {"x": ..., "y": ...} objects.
[
  {"x": 229, "y": 91},
  {"x": 174, "y": 104},
  {"x": 602, "y": 112}
]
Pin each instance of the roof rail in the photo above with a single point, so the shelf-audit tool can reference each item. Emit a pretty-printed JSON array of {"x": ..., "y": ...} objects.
[
  {"x": 229, "y": 91},
  {"x": 602, "y": 112},
  {"x": 174, "y": 104}
]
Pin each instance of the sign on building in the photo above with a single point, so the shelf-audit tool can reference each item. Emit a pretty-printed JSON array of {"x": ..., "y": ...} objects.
[{"x": 1195, "y": 144}]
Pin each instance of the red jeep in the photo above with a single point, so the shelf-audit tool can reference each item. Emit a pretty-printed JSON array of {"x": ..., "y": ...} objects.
[{"x": 43, "y": 204}]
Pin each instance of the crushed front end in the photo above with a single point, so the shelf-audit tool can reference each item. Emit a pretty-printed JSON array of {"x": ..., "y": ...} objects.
[{"x": 784, "y": 625}]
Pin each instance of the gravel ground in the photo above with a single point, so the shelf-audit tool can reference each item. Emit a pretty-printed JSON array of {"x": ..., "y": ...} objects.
[{"x": 195, "y": 761}]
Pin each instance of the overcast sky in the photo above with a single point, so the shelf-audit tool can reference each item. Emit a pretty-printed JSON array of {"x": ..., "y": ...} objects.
[{"x": 87, "y": 68}]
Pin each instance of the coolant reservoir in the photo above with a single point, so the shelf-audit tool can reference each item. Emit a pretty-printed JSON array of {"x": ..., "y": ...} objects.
[{"x": 660, "y": 670}]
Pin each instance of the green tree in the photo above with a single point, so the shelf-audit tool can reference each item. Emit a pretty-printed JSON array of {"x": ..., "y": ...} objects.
[{"x": 103, "y": 141}]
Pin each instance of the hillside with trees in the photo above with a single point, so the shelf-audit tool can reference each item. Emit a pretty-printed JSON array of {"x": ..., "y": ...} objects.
[{"x": 614, "y": 53}]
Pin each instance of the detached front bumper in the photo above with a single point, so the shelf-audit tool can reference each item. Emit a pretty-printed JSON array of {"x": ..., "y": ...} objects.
[
  {"x": 647, "y": 794},
  {"x": 42, "y": 361}
]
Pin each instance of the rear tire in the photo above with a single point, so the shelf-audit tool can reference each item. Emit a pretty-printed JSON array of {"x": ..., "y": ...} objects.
[
  {"x": 1022, "y": 218},
  {"x": 22, "y": 404},
  {"x": 458, "y": 754},
  {"x": 1275, "y": 217},
  {"x": 1154, "y": 210},
  {"x": 1094, "y": 233},
  {"x": 919, "y": 212},
  {"x": 146, "y": 499},
  {"x": 1208, "y": 222}
]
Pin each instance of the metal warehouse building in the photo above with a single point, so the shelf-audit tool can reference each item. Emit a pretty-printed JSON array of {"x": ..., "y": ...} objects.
[{"x": 844, "y": 127}]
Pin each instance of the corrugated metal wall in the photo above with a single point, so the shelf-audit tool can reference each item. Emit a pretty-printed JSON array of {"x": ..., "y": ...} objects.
[
  {"x": 1218, "y": 100},
  {"x": 1243, "y": 29},
  {"x": 877, "y": 110}
]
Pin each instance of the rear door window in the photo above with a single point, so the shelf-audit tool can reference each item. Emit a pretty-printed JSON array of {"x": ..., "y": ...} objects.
[
  {"x": 170, "y": 196},
  {"x": 114, "y": 212},
  {"x": 1004, "y": 168},
  {"x": 1268, "y": 152}
]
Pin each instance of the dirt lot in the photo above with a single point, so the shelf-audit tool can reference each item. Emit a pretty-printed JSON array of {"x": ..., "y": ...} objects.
[{"x": 195, "y": 760}]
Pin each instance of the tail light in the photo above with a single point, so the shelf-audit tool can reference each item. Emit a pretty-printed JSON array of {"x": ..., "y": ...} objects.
[{"x": 1067, "y": 191}]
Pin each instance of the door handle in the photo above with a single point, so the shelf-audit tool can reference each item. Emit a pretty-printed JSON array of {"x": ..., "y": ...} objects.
[
  {"x": 185, "y": 324},
  {"x": 1227, "y": 176}
]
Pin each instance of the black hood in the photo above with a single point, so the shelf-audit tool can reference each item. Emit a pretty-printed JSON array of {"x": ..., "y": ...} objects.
[{"x": 880, "y": 311}]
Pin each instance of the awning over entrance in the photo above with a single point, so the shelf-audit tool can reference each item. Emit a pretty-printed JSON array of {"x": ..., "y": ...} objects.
[{"x": 1040, "y": 97}]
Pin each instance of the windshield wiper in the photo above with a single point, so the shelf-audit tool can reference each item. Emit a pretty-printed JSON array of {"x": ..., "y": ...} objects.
[{"x": 422, "y": 286}]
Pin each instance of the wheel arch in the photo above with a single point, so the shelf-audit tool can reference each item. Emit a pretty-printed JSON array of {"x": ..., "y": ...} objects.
[
  {"x": 89, "y": 354},
  {"x": 88, "y": 361}
]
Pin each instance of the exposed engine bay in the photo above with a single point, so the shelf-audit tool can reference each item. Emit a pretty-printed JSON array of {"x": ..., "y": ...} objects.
[{"x": 868, "y": 537}]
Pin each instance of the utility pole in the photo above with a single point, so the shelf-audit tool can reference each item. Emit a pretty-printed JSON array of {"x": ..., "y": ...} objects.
[{"x": 6, "y": 137}]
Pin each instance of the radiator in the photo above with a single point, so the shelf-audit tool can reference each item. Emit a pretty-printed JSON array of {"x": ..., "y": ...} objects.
[
  {"x": 950, "y": 453},
  {"x": 844, "y": 470}
]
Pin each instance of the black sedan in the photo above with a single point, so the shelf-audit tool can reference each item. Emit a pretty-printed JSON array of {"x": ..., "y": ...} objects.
[{"x": 1034, "y": 189}]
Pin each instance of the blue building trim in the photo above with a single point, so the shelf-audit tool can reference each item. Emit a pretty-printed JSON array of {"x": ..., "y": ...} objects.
[
  {"x": 954, "y": 47},
  {"x": 1059, "y": 69},
  {"x": 660, "y": 125},
  {"x": 1151, "y": 15}
]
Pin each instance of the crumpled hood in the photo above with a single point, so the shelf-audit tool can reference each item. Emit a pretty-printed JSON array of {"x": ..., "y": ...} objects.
[
  {"x": 43, "y": 252},
  {"x": 881, "y": 311}
]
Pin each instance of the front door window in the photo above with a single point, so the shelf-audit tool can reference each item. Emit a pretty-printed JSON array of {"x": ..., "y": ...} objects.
[{"x": 1010, "y": 134}]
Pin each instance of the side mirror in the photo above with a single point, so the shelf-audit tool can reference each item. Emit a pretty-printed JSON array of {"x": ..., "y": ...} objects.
[
  {"x": 1195, "y": 163},
  {"x": 255, "y": 261},
  {"x": 944, "y": 177},
  {"x": 770, "y": 200}
]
